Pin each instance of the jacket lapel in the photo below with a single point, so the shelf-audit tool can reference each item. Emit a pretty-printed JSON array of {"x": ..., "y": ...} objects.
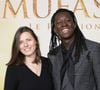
[
  {"x": 59, "y": 62},
  {"x": 56, "y": 61},
  {"x": 79, "y": 67},
  {"x": 82, "y": 60}
]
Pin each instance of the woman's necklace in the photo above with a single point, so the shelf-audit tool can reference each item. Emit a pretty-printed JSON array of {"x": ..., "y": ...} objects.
[{"x": 35, "y": 68}]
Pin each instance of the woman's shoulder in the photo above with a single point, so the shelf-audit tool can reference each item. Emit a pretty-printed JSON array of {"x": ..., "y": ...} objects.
[
  {"x": 46, "y": 63},
  {"x": 14, "y": 68},
  {"x": 45, "y": 60}
]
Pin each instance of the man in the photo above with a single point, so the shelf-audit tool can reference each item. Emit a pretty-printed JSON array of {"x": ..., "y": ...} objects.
[{"x": 75, "y": 60}]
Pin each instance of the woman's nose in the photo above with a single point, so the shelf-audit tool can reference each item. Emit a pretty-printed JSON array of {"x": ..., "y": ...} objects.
[{"x": 25, "y": 44}]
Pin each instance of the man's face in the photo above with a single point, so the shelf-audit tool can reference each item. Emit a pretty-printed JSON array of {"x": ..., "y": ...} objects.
[{"x": 64, "y": 25}]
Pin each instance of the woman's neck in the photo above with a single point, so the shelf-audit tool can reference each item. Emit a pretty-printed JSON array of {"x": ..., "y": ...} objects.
[{"x": 30, "y": 59}]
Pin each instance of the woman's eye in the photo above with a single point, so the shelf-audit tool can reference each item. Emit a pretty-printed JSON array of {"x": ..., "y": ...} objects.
[{"x": 28, "y": 39}]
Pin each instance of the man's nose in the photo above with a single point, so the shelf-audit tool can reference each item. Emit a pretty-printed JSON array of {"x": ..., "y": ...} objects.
[{"x": 64, "y": 23}]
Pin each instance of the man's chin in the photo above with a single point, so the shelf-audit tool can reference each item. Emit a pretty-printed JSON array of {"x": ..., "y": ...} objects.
[{"x": 67, "y": 37}]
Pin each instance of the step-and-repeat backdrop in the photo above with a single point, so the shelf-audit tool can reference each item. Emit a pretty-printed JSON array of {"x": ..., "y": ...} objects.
[{"x": 37, "y": 15}]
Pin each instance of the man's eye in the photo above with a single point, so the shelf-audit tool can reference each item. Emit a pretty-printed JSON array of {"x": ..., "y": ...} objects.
[{"x": 58, "y": 23}]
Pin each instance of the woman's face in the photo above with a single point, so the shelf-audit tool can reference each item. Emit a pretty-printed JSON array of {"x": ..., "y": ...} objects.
[
  {"x": 27, "y": 44},
  {"x": 64, "y": 25}
]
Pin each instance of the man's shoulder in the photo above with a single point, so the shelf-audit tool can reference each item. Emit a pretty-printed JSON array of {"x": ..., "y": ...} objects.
[
  {"x": 92, "y": 43},
  {"x": 54, "y": 51}
]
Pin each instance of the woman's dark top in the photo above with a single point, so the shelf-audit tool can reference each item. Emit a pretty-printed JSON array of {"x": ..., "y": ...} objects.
[{"x": 22, "y": 78}]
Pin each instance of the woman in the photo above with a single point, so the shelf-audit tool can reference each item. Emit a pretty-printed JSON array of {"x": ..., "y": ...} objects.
[{"x": 27, "y": 70}]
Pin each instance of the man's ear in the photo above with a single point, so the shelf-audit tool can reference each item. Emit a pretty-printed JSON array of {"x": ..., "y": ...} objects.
[
  {"x": 55, "y": 31},
  {"x": 75, "y": 25}
]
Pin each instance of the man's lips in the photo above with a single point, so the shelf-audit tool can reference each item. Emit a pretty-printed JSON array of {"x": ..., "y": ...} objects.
[{"x": 65, "y": 30}]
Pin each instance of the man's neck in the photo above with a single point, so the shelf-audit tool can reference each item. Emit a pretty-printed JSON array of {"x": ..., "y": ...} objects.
[{"x": 67, "y": 43}]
